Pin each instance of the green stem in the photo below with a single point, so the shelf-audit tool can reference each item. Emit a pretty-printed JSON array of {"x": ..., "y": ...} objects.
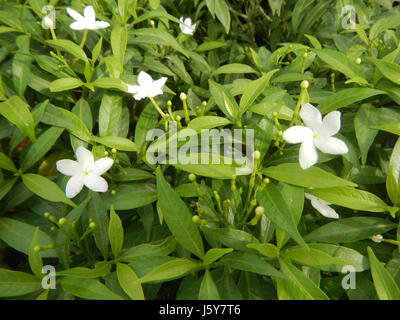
[
  {"x": 158, "y": 108},
  {"x": 84, "y": 38}
]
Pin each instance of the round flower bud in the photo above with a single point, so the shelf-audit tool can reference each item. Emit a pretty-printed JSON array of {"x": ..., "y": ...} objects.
[
  {"x": 92, "y": 225},
  {"x": 113, "y": 192},
  {"x": 113, "y": 150},
  {"x": 266, "y": 180},
  {"x": 358, "y": 61},
  {"x": 48, "y": 23},
  {"x": 196, "y": 219},
  {"x": 304, "y": 84},
  {"x": 259, "y": 211},
  {"x": 204, "y": 104},
  {"x": 178, "y": 118},
  {"x": 256, "y": 154},
  {"x": 169, "y": 103},
  {"x": 227, "y": 203},
  {"x": 183, "y": 96},
  {"x": 106, "y": 153},
  {"x": 62, "y": 221},
  {"x": 36, "y": 248},
  {"x": 47, "y": 215},
  {"x": 152, "y": 23},
  {"x": 274, "y": 114},
  {"x": 305, "y": 55},
  {"x": 192, "y": 177},
  {"x": 280, "y": 133},
  {"x": 253, "y": 202}
]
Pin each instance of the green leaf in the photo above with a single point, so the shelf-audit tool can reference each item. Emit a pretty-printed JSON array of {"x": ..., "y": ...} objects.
[
  {"x": 97, "y": 211},
  {"x": 16, "y": 283},
  {"x": 131, "y": 196},
  {"x": 118, "y": 143},
  {"x": 59, "y": 117},
  {"x": 19, "y": 235},
  {"x": 313, "y": 177},
  {"x": 389, "y": 127},
  {"x": 208, "y": 289},
  {"x": 301, "y": 287},
  {"x": 6, "y": 186},
  {"x": 385, "y": 286},
  {"x": 383, "y": 24},
  {"x": 366, "y": 117},
  {"x": 351, "y": 198},
  {"x": 171, "y": 270},
  {"x": 65, "y": 84},
  {"x": 119, "y": 39},
  {"x": 69, "y": 47},
  {"x": 132, "y": 174},
  {"x": 266, "y": 249},
  {"x": 129, "y": 281},
  {"x": 101, "y": 269},
  {"x": 356, "y": 259},
  {"x": 45, "y": 188},
  {"x": 340, "y": 62},
  {"x": 115, "y": 232},
  {"x": 21, "y": 64},
  {"x": 17, "y": 112},
  {"x": 390, "y": 70},
  {"x": 178, "y": 217},
  {"x": 207, "y": 122},
  {"x": 110, "y": 83},
  {"x": 210, "y": 45},
  {"x": 312, "y": 257},
  {"x": 350, "y": 229},
  {"x": 159, "y": 248},
  {"x": 147, "y": 121},
  {"x": 234, "y": 68},
  {"x": 249, "y": 262},
  {"x": 156, "y": 36},
  {"x": 35, "y": 261},
  {"x": 222, "y": 13},
  {"x": 346, "y": 97},
  {"x": 6, "y": 163},
  {"x": 38, "y": 150},
  {"x": 90, "y": 289},
  {"x": 278, "y": 212},
  {"x": 214, "y": 254},
  {"x": 110, "y": 114},
  {"x": 253, "y": 89}
]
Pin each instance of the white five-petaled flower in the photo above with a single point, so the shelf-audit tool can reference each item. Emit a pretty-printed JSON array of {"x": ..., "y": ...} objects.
[
  {"x": 147, "y": 88},
  {"x": 317, "y": 133},
  {"x": 85, "y": 171},
  {"x": 186, "y": 26},
  {"x": 322, "y": 206},
  {"x": 87, "y": 21}
]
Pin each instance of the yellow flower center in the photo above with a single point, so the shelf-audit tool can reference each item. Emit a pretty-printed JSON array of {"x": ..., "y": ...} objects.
[
  {"x": 315, "y": 136},
  {"x": 85, "y": 173}
]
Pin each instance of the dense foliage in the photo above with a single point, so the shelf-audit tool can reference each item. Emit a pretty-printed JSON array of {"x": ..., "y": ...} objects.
[{"x": 314, "y": 217}]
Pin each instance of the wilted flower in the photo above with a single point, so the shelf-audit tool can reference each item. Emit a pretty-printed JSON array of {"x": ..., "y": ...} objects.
[
  {"x": 87, "y": 21},
  {"x": 147, "y": 88},
  {"x": 322, "y": 206},
  {"x": 85, "y": 171},
  {"x": 317, "y": 133},
  {"x": 186, "y": 26},
  {"x": 377, "y": 238}
]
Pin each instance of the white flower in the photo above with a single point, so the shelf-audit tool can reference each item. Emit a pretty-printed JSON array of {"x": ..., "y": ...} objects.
[
  {"x": 186, "y": 26},
  {"x": 317, "y": 133},
  {"x": 377, "y": 238},
  {"x": 48, "y": 23},
  {"x": 147, "y": 88},
  {"x": 87, "y": 21},
  {"x": 322, "y": 206},
  {"x": 85, "y": 171}
]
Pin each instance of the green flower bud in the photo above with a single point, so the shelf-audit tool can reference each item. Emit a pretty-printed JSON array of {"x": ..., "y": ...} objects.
[
  {"x": 192, "y": 177},
  {"x": 183, "y": 96},
  {"x": 304, "y": 84},
  {"x": 36, "y": 248},
  {"x": 92, "y": 225},
  {"x": 259, "y": 211},
  {"x": 62, "y": 221}
]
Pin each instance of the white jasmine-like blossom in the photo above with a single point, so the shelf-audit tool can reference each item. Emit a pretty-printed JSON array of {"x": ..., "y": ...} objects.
[
  {"x": 87, "y": 21},
  {"x": 147, "y": 88},
  {"x": 322, "y": 206},
  {"x": 84, "y": 172},
  {"x": 317, "y": 133},
  {"x": 186, "y": 26},
  {"x": 377, "y": 238}
]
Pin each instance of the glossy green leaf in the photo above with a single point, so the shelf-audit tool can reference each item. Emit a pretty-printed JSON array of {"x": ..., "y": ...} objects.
[
  {"x": 115, "y": 232},
  {"x": 129, "y": 281}
]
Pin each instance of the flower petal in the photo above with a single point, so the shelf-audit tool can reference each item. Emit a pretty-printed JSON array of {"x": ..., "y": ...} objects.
[
  {"x": 330, "y": 124},
  {"x": 75, "y": 15},
  {"x": 324, "y": 209},
  {"x": 188, "y": 22},
  {"x": 89, "y": 14},
  {"x": 331, "y": 145},
  {"x": 310, "y": 196},
  {"x": 77, "y": 26},
  {"x": 297, "y": 134},
  {"x": 144, "y": 79},
  {"x": 68, "y": 167},
  {"x": 100, "y": 25},
  {"x": 308, "y": 155},
  {"x": 95, "y": 183},
  {"x": 102, "y": 165},
  {"x": 74, "y": 186},
  {"x": 85, "y": 158},
  {"x": 311, "y": 116}
]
